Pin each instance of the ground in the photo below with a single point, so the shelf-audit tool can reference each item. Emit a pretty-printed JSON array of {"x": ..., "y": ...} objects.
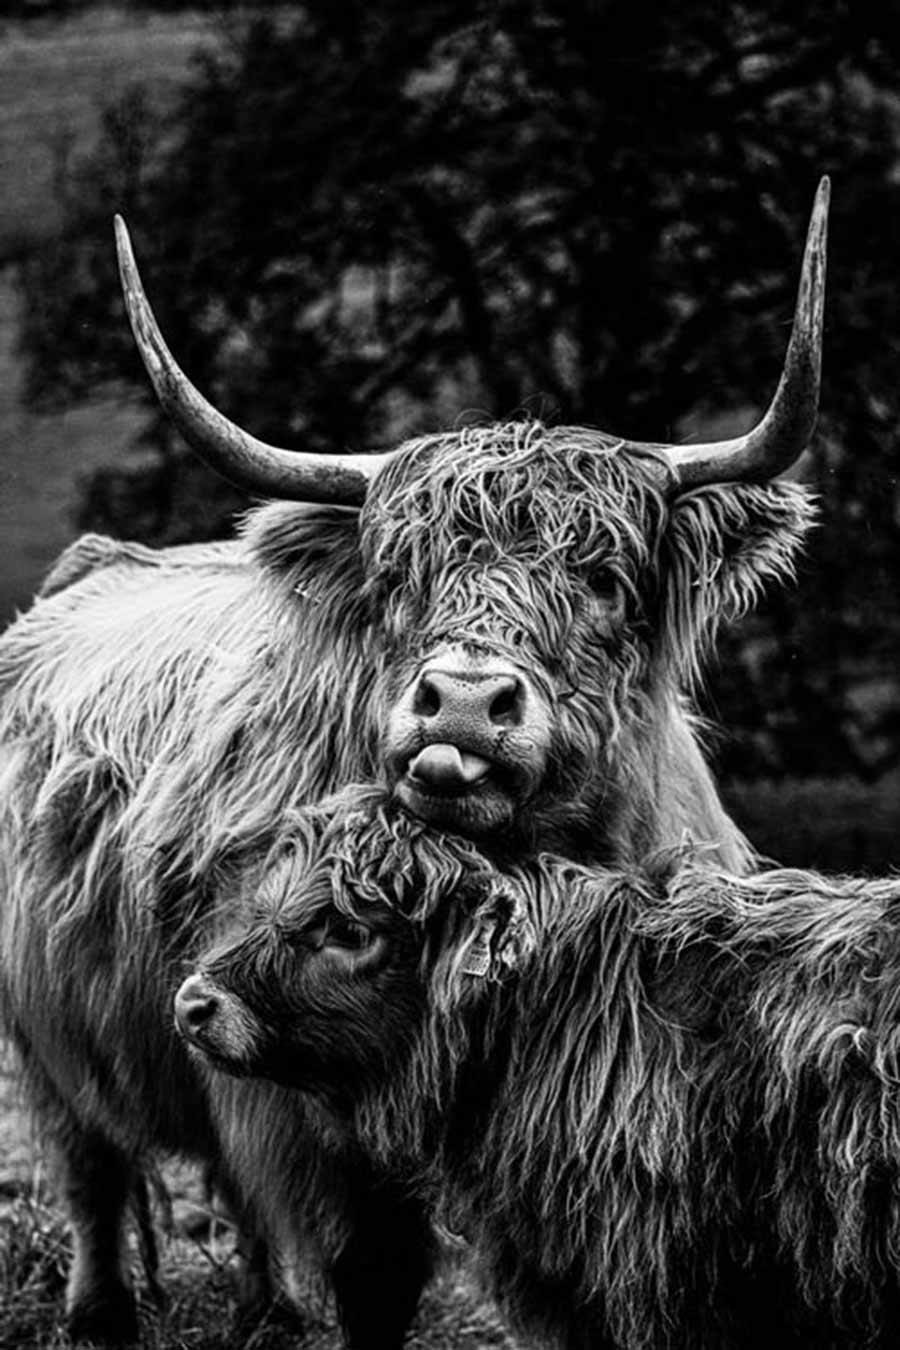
[{"x": 199, "y": 1270}]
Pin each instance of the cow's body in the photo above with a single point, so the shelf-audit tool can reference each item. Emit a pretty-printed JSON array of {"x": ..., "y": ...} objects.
[
  {"x": 663, "y": 1105},
  {"x": 160, "y": 712}
]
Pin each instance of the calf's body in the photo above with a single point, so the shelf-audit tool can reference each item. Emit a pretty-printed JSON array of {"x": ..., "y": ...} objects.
[{"x": 664, "y": 1107}]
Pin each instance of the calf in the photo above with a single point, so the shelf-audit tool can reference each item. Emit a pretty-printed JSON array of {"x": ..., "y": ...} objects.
[{"x": 663, "y": 1104}]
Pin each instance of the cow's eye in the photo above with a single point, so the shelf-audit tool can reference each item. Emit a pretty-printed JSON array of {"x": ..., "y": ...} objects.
[{"x": 608, "y": 588}]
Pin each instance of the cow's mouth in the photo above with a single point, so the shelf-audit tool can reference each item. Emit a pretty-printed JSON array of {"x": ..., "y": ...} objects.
[
  {"x": 205, "y": 1052},
  {"x": 457, "y": 789}
]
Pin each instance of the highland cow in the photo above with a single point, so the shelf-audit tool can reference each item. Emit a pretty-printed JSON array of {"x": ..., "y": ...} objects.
[
  {"x": 663, "y": 1104},
  {"x": 502, "y": 622}
]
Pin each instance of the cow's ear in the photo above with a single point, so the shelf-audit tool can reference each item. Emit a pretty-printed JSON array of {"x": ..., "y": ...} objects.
[
  {"x": 722, "y": 546},
  {"x": 300, "y": 542}
]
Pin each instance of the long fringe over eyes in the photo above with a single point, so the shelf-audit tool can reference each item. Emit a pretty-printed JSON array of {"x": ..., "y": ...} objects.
[{"x": 549, "y": 494}]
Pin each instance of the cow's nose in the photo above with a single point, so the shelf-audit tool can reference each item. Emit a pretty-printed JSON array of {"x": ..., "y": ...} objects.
[
  {"x": 195, "y": 1005},
  {"x": 478, "y": 703}
]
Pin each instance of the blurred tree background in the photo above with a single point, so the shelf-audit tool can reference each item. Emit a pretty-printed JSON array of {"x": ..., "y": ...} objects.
[{"x": 361, "y": 221}]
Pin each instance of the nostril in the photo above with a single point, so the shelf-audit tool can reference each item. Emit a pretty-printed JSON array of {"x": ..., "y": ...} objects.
[
  {"x": 427, "y": 701},
  {"x": 506, "y": 705},
  {"x": 198, "y": 1013},
  {"x": 194, "y": 1008}
]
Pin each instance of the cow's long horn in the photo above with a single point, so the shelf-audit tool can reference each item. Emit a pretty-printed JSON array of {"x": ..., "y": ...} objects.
[
  {"x": 785, "y": 431},
  {"x": 235, "y": 454}
]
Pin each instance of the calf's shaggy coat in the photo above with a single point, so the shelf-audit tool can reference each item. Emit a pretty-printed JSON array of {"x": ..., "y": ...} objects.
[{"x": 664, "y": 1107}]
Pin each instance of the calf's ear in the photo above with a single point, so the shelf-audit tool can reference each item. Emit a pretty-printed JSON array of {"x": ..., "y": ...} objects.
[
  {"x": 492, "y": 938},
  {"x": 722, "y": 546}
]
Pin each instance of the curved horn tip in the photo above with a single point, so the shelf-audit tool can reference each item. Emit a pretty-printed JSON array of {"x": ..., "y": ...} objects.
[
  {"x": 810, "y": 307},
  {"x": 818, "y": 221},
  {"x": 123, "y": 239},
  {"x": 235, "y": 454},
  {"x": 128, "y": 273},
  {"x": 784, "y": 432}
]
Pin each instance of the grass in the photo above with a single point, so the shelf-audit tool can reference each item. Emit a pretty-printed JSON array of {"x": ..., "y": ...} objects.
[
  {"x": 34, "y": 1253},
  {"x": 200, "y": 1306},
  {"x": 199, "y": 1287}
]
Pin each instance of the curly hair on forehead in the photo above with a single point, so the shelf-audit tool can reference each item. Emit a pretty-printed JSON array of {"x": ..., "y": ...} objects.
[
  {"x": 361, "y": 850},
  {"x": 566, "y": 501},
  {"x": 542, "y": 492}
]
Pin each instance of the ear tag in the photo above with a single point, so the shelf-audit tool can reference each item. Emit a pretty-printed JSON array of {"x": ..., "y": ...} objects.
[{"x": 477, "y": 960}]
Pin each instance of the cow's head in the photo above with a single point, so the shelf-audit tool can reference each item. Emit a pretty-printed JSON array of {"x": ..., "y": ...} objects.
[{"x": 538, "y": 597}]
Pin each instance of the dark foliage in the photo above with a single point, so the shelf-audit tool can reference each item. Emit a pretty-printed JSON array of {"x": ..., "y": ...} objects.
[{"x": 366, "y": 220}]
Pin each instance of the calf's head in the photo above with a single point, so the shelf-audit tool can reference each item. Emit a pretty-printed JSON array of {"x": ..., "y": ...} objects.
[
  {"x": 290, "y": 998},
  {"x": 325, "y": 984}
]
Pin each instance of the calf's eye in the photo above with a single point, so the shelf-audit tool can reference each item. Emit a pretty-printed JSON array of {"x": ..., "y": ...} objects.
[{"x": 347, "y": 933}]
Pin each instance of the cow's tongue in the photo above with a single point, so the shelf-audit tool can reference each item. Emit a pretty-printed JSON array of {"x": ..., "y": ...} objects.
[{"x": 446, "y": 769}]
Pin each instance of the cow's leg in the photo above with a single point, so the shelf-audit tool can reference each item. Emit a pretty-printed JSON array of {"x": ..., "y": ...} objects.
[
  {"x": 380, "y": 1272},
  {"x": 96, "y": 1180}
]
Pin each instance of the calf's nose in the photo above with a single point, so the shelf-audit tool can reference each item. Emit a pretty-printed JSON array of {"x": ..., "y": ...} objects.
[{"x": 195, "y": 1005}]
